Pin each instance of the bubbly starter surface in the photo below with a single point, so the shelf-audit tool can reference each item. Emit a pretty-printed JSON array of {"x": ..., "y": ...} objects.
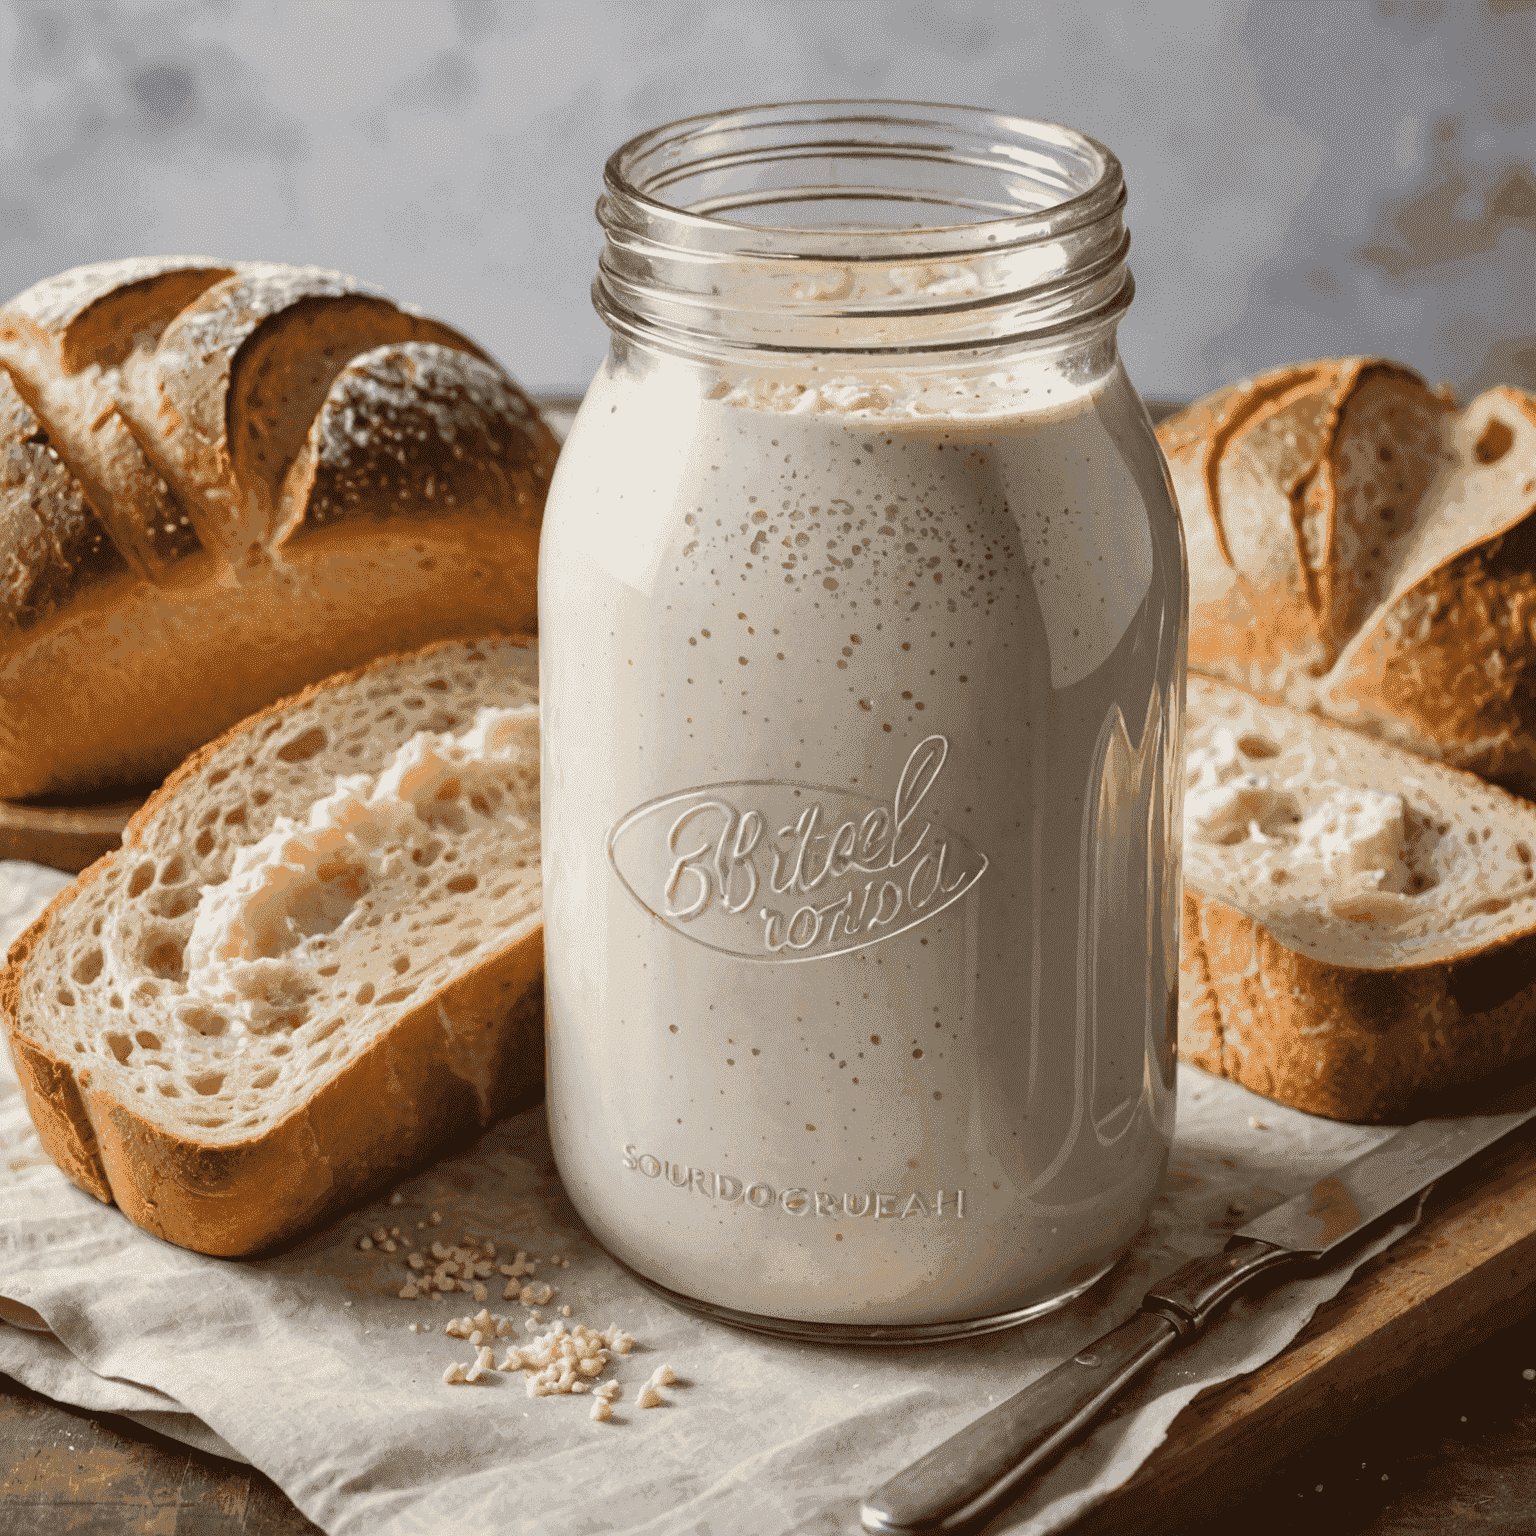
[{"x": 858, "y": 732}]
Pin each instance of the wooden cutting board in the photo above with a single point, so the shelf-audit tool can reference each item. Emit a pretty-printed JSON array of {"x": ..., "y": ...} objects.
[
  {"x": 1464, "y": 1273},
  {"x": 66, "y": 837}
]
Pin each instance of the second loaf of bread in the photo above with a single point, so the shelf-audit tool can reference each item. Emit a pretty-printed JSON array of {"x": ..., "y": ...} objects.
[
  {"x": 1360, "y": 548},
  {"x": 220, "y": 481}
]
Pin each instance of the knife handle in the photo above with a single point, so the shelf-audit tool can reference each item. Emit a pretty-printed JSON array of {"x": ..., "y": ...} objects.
[
  {"x": 974, "y": 1471},
  {"x": 1196, "y": 1289},
  {"x": 962, "y": 1481}
]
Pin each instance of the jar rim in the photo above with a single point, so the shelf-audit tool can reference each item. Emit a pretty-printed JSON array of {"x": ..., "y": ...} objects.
[
  {"x": 1028, "y": 150},
  {"x": 1031, "y": 251}
]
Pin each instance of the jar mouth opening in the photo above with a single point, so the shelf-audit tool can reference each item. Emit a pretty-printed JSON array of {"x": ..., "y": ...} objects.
[
  {"x": 870, "y": 227},
  {"x": 860, "y": 180}
]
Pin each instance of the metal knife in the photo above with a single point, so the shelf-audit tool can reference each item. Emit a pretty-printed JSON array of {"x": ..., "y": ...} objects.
[{"x": 967, "y": 1478}]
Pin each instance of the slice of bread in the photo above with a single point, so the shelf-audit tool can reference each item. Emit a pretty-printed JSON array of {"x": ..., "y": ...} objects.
[
  {"x": 1359, "y": 925},
  {"x": 317, "y": 957}
]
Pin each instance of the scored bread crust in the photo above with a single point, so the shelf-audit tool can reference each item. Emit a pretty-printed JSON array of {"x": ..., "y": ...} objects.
[
  {"x": 286, "y": 473},
  {"x": 1382, "y": 1042},
  {"x": 1359, "y": 548},
  {"x": 1447, "y": 666},
  {"x": 1262, "y": 472},
  {"x": 466, "y": 1055}
]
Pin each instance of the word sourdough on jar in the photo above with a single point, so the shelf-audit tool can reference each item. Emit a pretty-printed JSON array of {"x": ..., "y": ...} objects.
[
  {"x": 703, "y": 860},
  {"x": 798, "y": 1200}
]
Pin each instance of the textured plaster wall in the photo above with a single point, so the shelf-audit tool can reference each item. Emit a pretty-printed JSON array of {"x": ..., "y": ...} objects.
[{"x": 1305, "y": 178}]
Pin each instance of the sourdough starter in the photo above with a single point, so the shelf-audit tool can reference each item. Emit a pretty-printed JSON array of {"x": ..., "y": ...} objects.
[{"x": 859, "y": 824}]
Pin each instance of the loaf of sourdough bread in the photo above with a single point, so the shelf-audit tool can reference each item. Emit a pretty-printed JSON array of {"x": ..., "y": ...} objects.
[
  {"x": 316, "y": 959},
  {"x": 1360, "y": 548},
  {"x": 221, "y": 481},
  {"x": 1359, "y": 924}
]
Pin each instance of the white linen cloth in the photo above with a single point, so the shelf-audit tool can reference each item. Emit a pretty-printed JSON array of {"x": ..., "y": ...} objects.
[{"x": 306, "y": 1366}]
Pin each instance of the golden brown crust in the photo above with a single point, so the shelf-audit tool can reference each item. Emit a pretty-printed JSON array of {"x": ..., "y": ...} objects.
[
  {"x": 194, "y": 656},
  {"x": 63, "y": 341},
  {"x": 418, "y": 432},
  {"x": 291, "y": 474},
  {"x": 1358, "y": 548},
  {"x": 63, "y": 1126},
  {"x": 1374, "y": 1046},
  {"x": 52, "y": 546},
  {"x": 1448, "y": 669},
  {"x": 224, "y": 402},
  {"x": 1280, "y": 532},
  {"x": 98, "y": 313},
  {"x": 457, "y": 1061}
]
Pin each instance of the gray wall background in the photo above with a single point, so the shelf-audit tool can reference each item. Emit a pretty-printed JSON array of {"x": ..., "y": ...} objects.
[{"x": 1306, "y": 178}]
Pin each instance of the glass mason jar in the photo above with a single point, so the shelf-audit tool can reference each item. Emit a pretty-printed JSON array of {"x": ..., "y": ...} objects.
[{"x": 862, "y": 624}]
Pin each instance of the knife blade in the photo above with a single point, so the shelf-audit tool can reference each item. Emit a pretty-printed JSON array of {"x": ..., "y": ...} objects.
[
  {"x": 964, "y": 1480},
  {"x": 1336, "y": 1207}
]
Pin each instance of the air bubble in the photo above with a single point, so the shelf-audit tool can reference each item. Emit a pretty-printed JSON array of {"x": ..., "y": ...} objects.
[
  {"x": 202, "y": 1020},
  {"x": 164, "y": 961},
  {"x": 1257, "y": 746},
  {"x": 301, "y": 748},
  {"x": 88, "y": 967}
]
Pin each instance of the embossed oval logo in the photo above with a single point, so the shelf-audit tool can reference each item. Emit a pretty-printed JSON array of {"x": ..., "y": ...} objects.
[{"x": 769, "y": 869}]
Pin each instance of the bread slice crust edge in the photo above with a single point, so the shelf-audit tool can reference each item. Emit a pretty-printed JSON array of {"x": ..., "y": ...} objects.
[{"x": 1370, "y": 1046}]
